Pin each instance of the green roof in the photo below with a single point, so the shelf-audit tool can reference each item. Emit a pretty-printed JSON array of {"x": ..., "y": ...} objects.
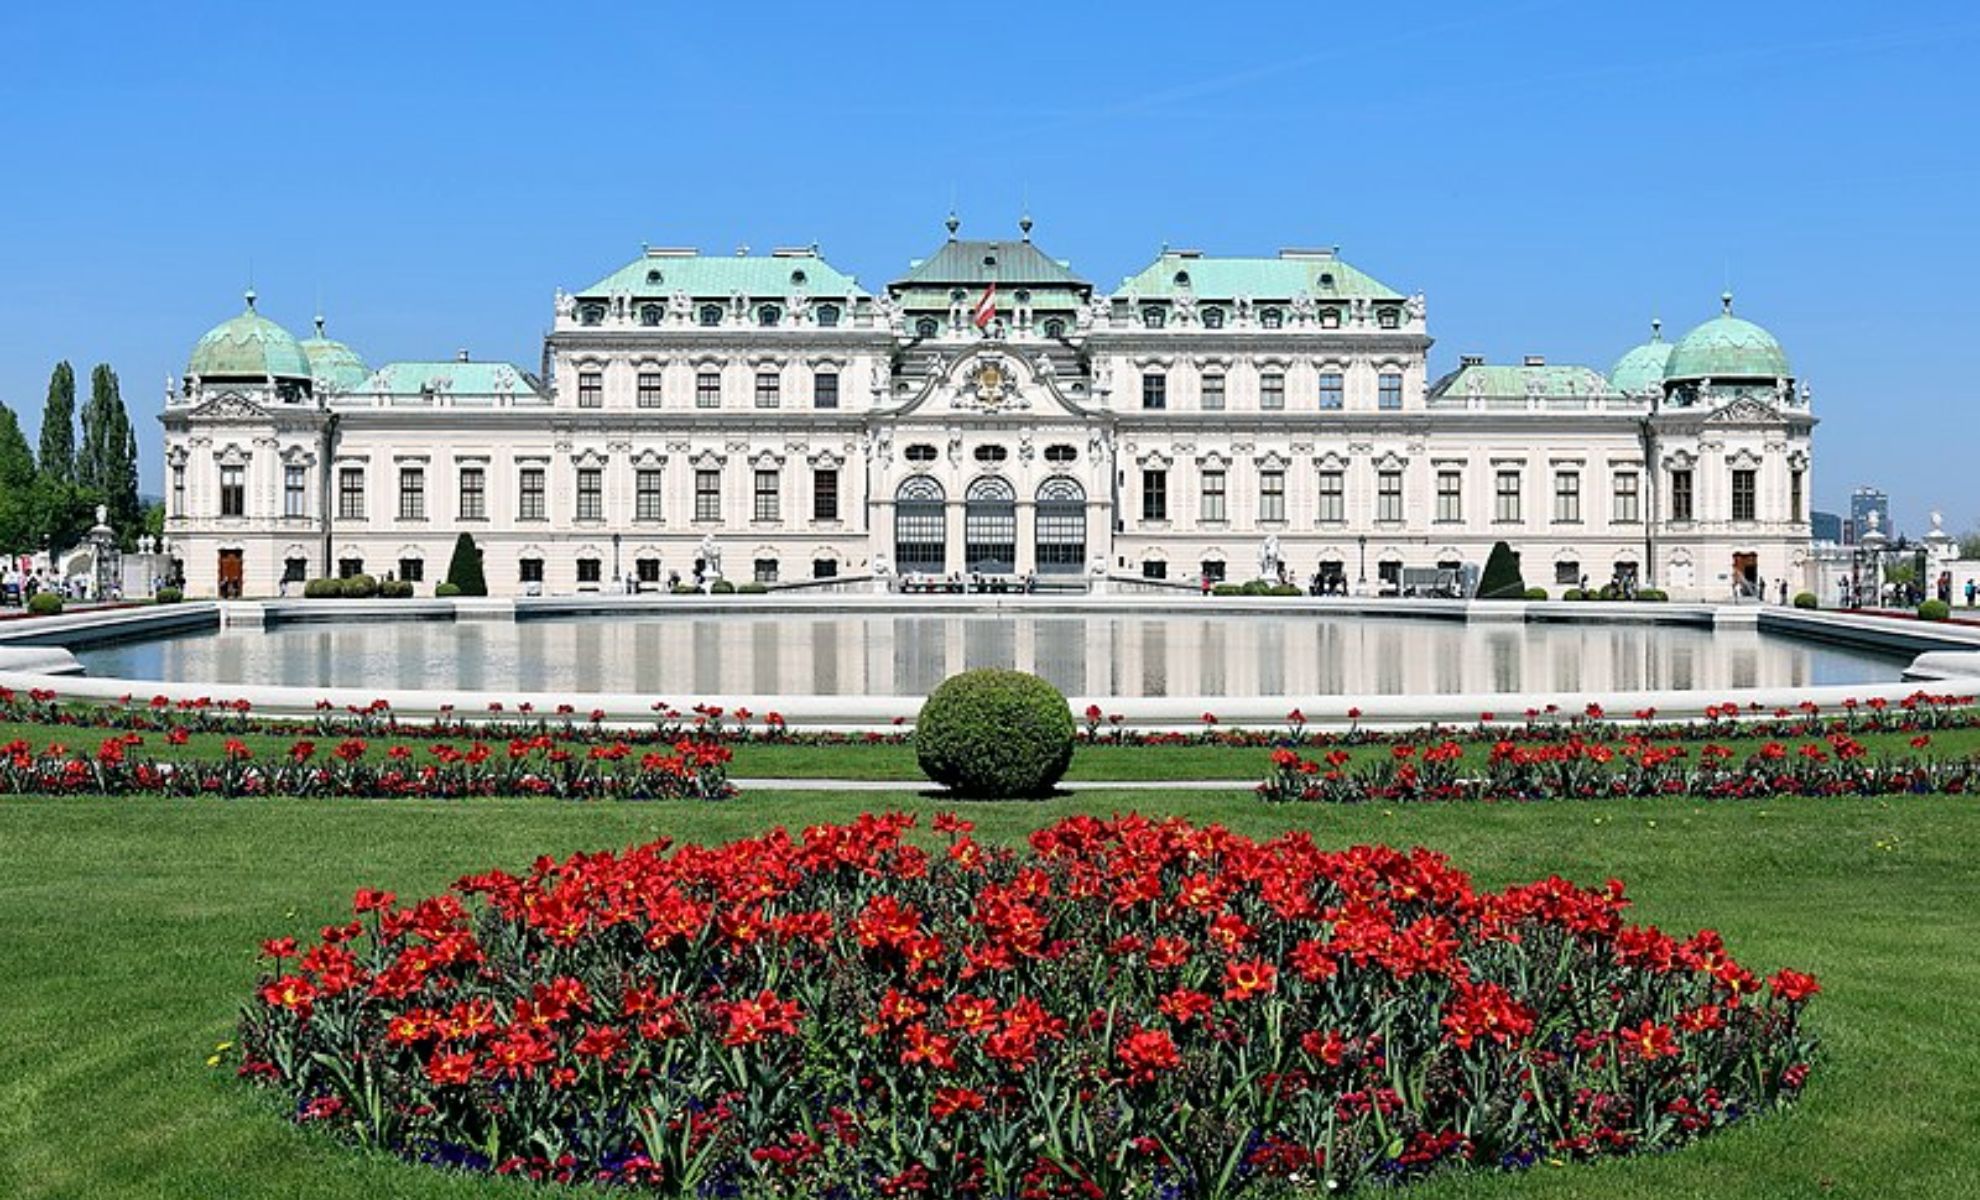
[
  {"x": 1320, "y": 274},
  {"x": 1495, "y": 380},
  {"x": 1642, "y": 368},
  {"x": 335, "y": 366},
  {"x": 1726, "y": 347},
  {"x": 458, "y": 378},
  {"x": 249, "y": 347},
  {"x": 921, "y": 299},
  {"x": 1010, "y": 264},
  {"x": 662, "y": 273}
]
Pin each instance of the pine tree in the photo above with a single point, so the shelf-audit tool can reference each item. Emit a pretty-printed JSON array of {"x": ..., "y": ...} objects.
[
  {"x": 107, "y": 465},
  {"x": 58, "y": 426},
  {"x": 464, "y": 571},
  {"x": 16, "y": 486}
]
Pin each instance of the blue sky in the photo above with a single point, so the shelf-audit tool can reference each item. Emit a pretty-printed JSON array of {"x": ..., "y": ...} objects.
[{"x": 1550, "y": 174}]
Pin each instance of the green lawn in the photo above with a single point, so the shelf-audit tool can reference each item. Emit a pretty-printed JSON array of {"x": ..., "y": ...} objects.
[{"x": 128, "y": 931}]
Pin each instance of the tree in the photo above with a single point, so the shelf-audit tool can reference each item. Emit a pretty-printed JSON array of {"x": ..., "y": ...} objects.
[
  {"x": 16, "y": 486},
  {"x": 58, "y": 426},
  {"x": 464, "y": 571},
  {"x": 1969, "y": 544},
  {"x": 107, "y": 464},
  {"x": 1502, "y": 580}
]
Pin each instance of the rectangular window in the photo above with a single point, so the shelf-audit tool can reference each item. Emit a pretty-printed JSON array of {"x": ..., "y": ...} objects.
[
  {"x": 825, "y": 494},
  {"x": 650, "y": 389},
  {"x": 1213, "y": 496},
  {"x": 708, "y": 389},
  {"x": 1154, "y": 569},
  {"x": 824, "y": 568},
  {"x": 529, "y": 495},
  {"x": 1211, "y": 569},
  {"x": 347, "y": 567},
  {"x": 1794, "y": 495},
  {"x": 1331, "y": 390},
  {"x": 766, "y": 496},
  {"x": 1567, "y": 497},
  {"x": 295, "y": 570},
  {"x": 1271, "y": 391},
  {"x": 590, "y": 570},
  {"x": 1213, "y": 393},
  {"x": 1744, "y": 494},
  {"x": 769, "y": 389},
  {"x": 412, "y": 494},
  {"x": 1390, "y": 394},
  {"x": 825, "y": 389},
  {"x": 178, "y": 491},
  {"x": 412, "y": 570},
  {"x": 1450, "y": 496},
  {"x": 1681, "y": 495},
  {"x": 590, "y": 494},
  {"x": 529, "y": 570},
  {"x": 1568, "y": 573},
  {"x": 1628, "y": 508},
  {"x": 647, "y": 570},
  {"x": 474, "y": 494},
  {"x": 1506, "y": 497},
  {"x": 295, "y": 491},
  {"x": 1154, "y": 390},
  {"x": 1271, "y": 495},
  {"x": 764, "y": 570},
  {"x": 591, "y": 389},
  {"x": 350, "y": 494},
  {"x": 646, "y": 494},
  {"x": 233, "y": 491},
  {"x": 1333, "y": 496},
  {"x": 1389, "y": 496},
  {"x": 1154, "y": 495},
  {"x": 707, "y": 495}
]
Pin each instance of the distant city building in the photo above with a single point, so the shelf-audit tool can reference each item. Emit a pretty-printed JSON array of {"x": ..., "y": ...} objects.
[
  {"x": 1825, "y": 527},
  {"x": 1864, "y": 501},
  {"x": 992, "y": 412}
]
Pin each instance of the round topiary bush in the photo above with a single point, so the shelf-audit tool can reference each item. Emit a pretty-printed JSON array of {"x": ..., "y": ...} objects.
[
  {"x": 323, "y": 589},
  {"x": 992, "y": 734},
  {"x": 721, "y": 587},
  {"x": 1806, "y": 600},
  {"x": 753, "y": 588},
  {"x": 396, "y": 589},
  {"x": 359, "y": 587},
  {"x": 685, "y": 589},
  {"x": 446, "y": 590},
  {"x": 1574, "y": 594},
  {"x": 170, "y": 595},
  {"x": 1654, "y": 595},
  {"x": 1536, "y": 593},
  {"x": 1931, "y": 610},
  {"x": 1226, "y": 589},
  {"x": 45, "y": 604},
  {"x": 1282, "y": 589}
]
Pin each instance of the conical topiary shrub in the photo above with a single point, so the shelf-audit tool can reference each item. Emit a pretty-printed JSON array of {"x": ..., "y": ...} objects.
[
  {"x": 1502, "y": 580},
  {"x": 464, "y": 571}
]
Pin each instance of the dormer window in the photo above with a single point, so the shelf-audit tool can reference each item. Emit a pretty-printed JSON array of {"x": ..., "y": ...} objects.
[
  {"x": 591, "y": 314},
  {"x": 1055, "y": 328},
  {"x": 654, "y": 278},
  {"x": 920, "y": 452},
  {"x": 1213, "y": 318},
  {"x": 798, "y": 278},
  {"x": 1388, "y": 318},
  {"x": 1182, "y": 279},
  {"x": 1152, "y": 317},
  {"x": 957, "y": 295},
  {"x": 1330, "y": 318},
  {"x": 769, "y": 315},
  {"x": 1326, "y": 279},
  {"x": 828, "y": 316},
  {"x": 651, "y": 314},
  {"x": 1271, "y": 318},
  {"x": 927, "y": 327},
  {"x": 709, "y": 315},
  {"x": 1022, "y": 295}
]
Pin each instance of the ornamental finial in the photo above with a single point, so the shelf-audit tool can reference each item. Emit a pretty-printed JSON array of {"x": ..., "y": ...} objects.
[
  {"x": 1726, "y": 301},
  {"x": 952, "y": 224},
  {"x": 250, "y": 299}
]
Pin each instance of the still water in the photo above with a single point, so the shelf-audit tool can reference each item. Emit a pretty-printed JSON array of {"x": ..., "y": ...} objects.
[{"x": 681, "y": 657}]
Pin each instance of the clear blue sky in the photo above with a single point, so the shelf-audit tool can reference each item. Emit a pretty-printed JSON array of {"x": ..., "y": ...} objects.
[{"x": 1550, "y": 174}]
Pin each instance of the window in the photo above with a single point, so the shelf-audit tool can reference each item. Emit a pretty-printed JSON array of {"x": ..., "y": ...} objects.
[
  {"x": 590, "y": 570},
  {"x": 1389, "y": 496},
  {"x": 295, "y": 570},
  {"x": 1055, "y": 328},
  {"x": 651, "y": 314},
  {"x": 764, "y": 570},
  {"x": 591, "y": 314},
  {"x": 1568, "y": 572},
  {"x": 1505, "y": 503},
  {"x": 350, "y": 494},
  {"x": 768, "y": 316},
  {"x": 1388, "y": 574},
  {"x": 1388, "y": 318},
  {"x": 1330, "y": 318},
  {"x": 178, "y": 491},
  {"x": 590, "y": 494},
  {"x": 295, "y": 495},
  {"x": 825, "y": 389},
  {"x": 1213, "y": 496},
  {"x": 591, "y": 389},
  {"x": 1271, "y": 318},
  {"x": 1272, "y": 390},
  {"x": 707, "y": 495},
  {"x": 709, "y": 315},
  {"x": 529, "y": 570},
  {"x": 825, "y": 494},
  {"x": 1331, "y": 392},
  {"x": 1744, "y": 494},
  {"x": 766, "y": 496},
  {"x": 991, "y": 455},
  {"x": 1154, "y": 495},
  {"x": 1681, "y": 495},
  {"x": 824, "y": 568},
  {"x": 1154, "y": 390},
  {"x": 1628, "y": 510},
  {"x": 1794, "y": 495},
  {"x": 1213, "y": 393},
  {"x": 1154, "y": 569},
  {"x": 646, "y": 494},
  {"x": 347, "y": 567},
  {"x": 1152, "y": 317},
  {"x": 474, "y": 494},
  {"x": 649, "y": 389},
  {"x": 927, "y": 327},
  {"x": 1059, "y": 454},
  {"x": 1567, "y": 497},
  {"x": 233, "y": 491},
  {"x": 1272, "y": 495},
  {"x": 828, "y": 316},
  {"x": 1333, "y": 496},
  {"x": 1213, "y": 318},
  {"x": 708, "y": 389},
  {"x": 412, "y": 494},
  {"x": 1450, "y": 496},
  {"x": 412, "y": 570},
  {"x": 529, "y": 494},
  {"x": 1390, "y": 394},
  {"x": 920, "y": 452},
  {"x": 647, "y": 570},
  {"x": 767, "y": 387},
  {"x": 1212, "y": 569}
]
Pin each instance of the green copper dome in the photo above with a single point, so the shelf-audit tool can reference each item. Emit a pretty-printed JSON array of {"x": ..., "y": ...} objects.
[
  {"x": 1726, "y": 347},
  {"x": 335, "y": 366},
  {"x": 249, "y": 347},
  {"x": 1642, "y": 369}
]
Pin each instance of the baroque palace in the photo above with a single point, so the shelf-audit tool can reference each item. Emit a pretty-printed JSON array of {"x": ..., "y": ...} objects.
[{"x": 989, "y": 412}]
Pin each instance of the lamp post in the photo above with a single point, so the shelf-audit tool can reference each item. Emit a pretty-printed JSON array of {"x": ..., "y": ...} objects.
[{"x": 1361, "y": 580}]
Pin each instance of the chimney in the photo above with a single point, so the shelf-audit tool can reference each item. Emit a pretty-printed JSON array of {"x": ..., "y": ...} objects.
[
  {"x": 460, "y": 356},
  {"x": 1536, "y": 360}
]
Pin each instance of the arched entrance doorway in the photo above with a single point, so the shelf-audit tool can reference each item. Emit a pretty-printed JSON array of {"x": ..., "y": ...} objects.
[
  {"x": 990, "y": 526},
  {"x": 921, "y": 537},
  {"x": 1061, "y": 527}
]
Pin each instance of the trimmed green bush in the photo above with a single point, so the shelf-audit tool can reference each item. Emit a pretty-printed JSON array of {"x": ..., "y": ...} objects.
[
  {"x": 1501, "y": 579},
  {"x": 1536, "y": 593},
  {"x": 1654, "y": 595},
  {"x": 323, "y": 589},
  {"x": 169, "y": 595},
  {"x": 45, "y": 604},
  {"x": 721, "y": 587},
  {"x": 1806, "y": 600},
  {"x": 464, "y": 570},
  {"x": 1282, "y": 589},
  {"x": 992, "y": 734},
  {"x": 358, "y": 587},
  {"x": 1931, "y": 610},
  {"x": 685, "y": 589},
  {"x": 447, "y": 589},
  {"x": 395, "y": 589},
  {"x": 1577, "y": 594},
  {"x": 753, "y": 588},
  {"x": 1226, "y": 589}
]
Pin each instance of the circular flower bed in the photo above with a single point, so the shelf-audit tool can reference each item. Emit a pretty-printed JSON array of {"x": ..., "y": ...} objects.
[{"x": 1128, "y": 1007}]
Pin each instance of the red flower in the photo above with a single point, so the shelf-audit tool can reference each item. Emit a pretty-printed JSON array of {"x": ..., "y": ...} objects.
[
  {"x": 1183, "y": 1005},
  {"x": 1249, "y": 979},
  {"x": 1648, "y": 1041},
  {"x": 1146, "y": 1053},
  {"x": 952, "y": 1100},
  {"x": 753, "y": 1021},
  {"x": 1793, "y": 986},
  {"x": 602, "y": 1042}
]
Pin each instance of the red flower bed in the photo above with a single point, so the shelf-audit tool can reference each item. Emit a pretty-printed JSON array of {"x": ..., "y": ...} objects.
[{"x": 1128, "y": 1007}]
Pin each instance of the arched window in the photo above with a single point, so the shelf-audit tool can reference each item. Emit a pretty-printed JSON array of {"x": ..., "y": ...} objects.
[
  {"x": 710, "y": 315},
  {"x": 769, "y": 315},
  {"x": 828, "y": 316},
  {"x": 1152, "y": 317},
  {"x": 591, "y": 314},
  {"x": 927, "y": 327},
  {"x": 1055, "y": 328},
  {"x": 921, "y": 527},
  {"x": 1271, "y": 318},
  {"x": 1061, "y": 526},
  {"x": 651, "y": 314},
  {"x": 1213, "y": 318},
  {"x": 990, "y": 526}
]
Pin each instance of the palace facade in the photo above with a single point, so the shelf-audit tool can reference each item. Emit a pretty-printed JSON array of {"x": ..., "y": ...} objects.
[{"x": 990, "y": 411}]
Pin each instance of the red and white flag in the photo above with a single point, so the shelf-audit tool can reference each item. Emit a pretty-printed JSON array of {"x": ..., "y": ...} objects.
[{"x": 986, "y": 308}]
